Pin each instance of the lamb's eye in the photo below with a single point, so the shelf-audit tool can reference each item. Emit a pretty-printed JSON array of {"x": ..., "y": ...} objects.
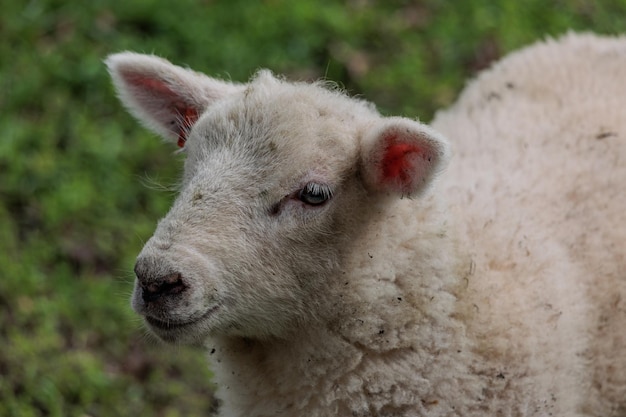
[{"x": 315, "y": 194}]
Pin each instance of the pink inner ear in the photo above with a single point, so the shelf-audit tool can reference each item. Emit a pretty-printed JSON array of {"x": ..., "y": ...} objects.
[
  {"x": 153, "y": 85},
  {"x": 189, "y": 116},
  {"x": 396, "y": 164},
  {"x": 185, "y": 114}
]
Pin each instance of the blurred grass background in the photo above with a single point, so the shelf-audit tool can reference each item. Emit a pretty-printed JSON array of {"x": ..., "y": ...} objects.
[{"x": 77, "y": 173}]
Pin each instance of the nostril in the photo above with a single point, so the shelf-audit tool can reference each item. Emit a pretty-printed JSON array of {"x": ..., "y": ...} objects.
[{"x": 168, "y": 285}]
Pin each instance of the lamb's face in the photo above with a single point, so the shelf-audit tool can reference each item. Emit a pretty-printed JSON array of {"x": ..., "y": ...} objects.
[
  {"x": 275, "y": 174},
  {"x": 250, "y": 239}
]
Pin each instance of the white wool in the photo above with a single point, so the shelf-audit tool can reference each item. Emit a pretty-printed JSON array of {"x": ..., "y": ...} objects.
[{"x": 320, "y": 289}]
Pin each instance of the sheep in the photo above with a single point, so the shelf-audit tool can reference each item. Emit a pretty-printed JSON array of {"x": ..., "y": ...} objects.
[{"x": 335, "y": 262}]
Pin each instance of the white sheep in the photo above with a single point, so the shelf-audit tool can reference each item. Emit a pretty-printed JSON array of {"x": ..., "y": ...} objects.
[{"x": 320, "y": 291}]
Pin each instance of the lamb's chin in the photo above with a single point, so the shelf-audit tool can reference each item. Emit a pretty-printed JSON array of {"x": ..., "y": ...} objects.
[{"x": 192, "y": 331}]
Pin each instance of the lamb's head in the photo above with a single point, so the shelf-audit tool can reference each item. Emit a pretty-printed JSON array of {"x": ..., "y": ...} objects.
[{"x": 276, "y": 178}]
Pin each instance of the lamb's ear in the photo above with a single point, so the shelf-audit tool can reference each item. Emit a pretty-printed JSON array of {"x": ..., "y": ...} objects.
[
  {"x": 166, "y": 98},
  {"x": 402, "y": 156}
]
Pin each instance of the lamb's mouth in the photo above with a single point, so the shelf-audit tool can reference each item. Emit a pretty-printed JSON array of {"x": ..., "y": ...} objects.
[{"x": 169, "y": 325}]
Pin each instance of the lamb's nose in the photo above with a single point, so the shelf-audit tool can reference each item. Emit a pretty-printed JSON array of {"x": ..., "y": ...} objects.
[{"x": 153, "y": 286}]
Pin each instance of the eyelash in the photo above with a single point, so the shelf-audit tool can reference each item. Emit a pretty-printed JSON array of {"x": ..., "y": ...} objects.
[
  {"x": 312, "y": 194},
  {"x": 315, "y": 194}
]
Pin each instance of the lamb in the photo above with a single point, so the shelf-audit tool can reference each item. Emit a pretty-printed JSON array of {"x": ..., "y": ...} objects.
[{"x": 336, "y": 262}]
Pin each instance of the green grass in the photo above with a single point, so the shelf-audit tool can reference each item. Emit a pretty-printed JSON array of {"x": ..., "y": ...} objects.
[{"x": 75, "y": 169}]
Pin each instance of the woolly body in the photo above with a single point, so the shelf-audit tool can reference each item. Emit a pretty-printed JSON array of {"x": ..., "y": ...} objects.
[{"x": 498, "y": 291}]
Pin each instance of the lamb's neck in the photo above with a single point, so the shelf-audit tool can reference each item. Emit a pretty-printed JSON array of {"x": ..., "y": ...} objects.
[
  {"x": 350, "y": 368},
  {"x": 282, "y": 377}
]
